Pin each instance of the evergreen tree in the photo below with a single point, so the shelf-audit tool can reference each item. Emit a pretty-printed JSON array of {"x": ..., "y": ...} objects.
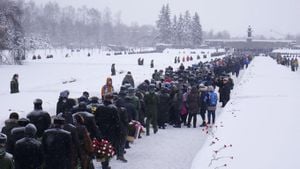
[
  {"x": 164, "y": 25},
  {"x": 187, "y": 30},
  {"x": 196, "y": 31}
]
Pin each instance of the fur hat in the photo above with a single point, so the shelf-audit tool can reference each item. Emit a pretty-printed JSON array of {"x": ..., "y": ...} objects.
[{"x": 3, "y": 138}]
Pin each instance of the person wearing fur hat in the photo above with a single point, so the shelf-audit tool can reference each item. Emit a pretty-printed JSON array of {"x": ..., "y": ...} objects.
[
  {"x": 10, "y": 123},
  {"x": 57, "y": 146},
  {"x": 6, "y": 159},
  {"x": 16, "y": 134},
  {"x": 28, "y": 151},
  {"x": 41, "y": 119},
  {"x": 211, "y": 100}
]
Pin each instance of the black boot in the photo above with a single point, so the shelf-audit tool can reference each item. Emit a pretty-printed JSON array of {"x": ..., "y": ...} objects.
[
  {"x": 121, "y": 158},
  {"x": 203, "y": 124}
]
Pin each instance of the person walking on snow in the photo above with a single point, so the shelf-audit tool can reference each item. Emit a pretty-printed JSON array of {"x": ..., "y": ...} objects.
[{"x": 14, "y": 84}]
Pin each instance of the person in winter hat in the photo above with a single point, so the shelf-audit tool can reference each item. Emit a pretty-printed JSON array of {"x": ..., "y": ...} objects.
[
  {"x": 128, "y": 79},
  {"x": 41, "y": 119},
  {"x": 17, "y": 133},
  {"x": 6, "y": 159},
  {"x": 211, "y": 100},
  {"x": 57, "y": 146},
  {"x": 28, "y": 151},
  {"x": 107, "y": 88},
  {"x": 64, "y": 104},
  {"x": 10, "y": 123},
  {"x": 151, "y": 106}
]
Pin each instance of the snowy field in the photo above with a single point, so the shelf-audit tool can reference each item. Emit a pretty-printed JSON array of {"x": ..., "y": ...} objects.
[
  {"x": 45, "y": 78},
  {"x": 260, "y": 126}
]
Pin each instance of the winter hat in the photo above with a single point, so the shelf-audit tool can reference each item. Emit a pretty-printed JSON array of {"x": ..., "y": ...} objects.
[
  {"x": 3, "y": 138},
  {"x": 23, "y": 122},
  {"x": 59, "y": 120},
  {"x": 30, "y": 130},
  {"x": 131, "y": 90},
  {"x": 64, "y": 94},
  {"x": 14, "y": 115},
  {"x": 38, "y": 101}
]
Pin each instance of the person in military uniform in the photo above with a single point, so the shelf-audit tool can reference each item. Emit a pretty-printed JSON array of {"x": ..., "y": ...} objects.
[{"x": 151, "y": 106}]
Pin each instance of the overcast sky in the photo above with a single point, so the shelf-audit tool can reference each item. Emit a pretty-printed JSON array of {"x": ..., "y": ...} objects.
[{"x": 265, "y": 16}]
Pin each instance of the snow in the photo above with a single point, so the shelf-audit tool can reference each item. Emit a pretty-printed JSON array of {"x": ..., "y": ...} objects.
[
  {"x": 44, "y": 78},
  {"x": 260, "y": 122},
  {"x": 287, "y": 51}
]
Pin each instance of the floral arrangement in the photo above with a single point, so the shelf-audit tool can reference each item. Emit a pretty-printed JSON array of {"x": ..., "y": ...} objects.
[{"x": 103, "y": 150}]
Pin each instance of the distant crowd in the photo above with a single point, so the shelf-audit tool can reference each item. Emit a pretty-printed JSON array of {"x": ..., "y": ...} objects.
[
  {"x": 170, "y": 98},
  {"x": 291, "y": 62}
]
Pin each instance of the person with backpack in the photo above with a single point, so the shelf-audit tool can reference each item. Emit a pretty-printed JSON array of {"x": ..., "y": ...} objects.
[{"x": 211, "y": 100}]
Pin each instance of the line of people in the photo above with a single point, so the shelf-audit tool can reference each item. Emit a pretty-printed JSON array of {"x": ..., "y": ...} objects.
[
  {"x": 291, "y": 62},
  {"x": 173, "y": 97}
]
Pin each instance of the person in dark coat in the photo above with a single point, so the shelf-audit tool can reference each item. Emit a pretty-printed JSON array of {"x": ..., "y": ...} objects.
[
  {"x": 68, "y": 126},
  {"x": 151, "y": 107},
  {"x": 152, "y": 64},
  {"x": 108, "y": 121},
  {"x": 128, "y": 79},
  {"x": 82, "y": 106},
  {"x": 28, "y": 151},
  {"x": 14, "y": 84},
  {"x": 203, "y": 105},
  {"x": 90, "y": 123},
  {"x": 94, "y": 104},
  {"x": 163, "y": 108},
  {"x": 41, "y": 119},
  {"x": 85, "y": 142},
  {"x": 224, "y": 90},
  {"x": 10, "y": 123},
  {"x": 17, "y": 133},
  {"x": 56, "y": 144},
  {"x": 113, "y": 70},
  {"x": 124, "y": 123},
  {"x": 64, "y": 103},
  {"x": 6, "y": 159},
  {"x": 84, "y": 98},
  {"x": 193, "y": 101}
]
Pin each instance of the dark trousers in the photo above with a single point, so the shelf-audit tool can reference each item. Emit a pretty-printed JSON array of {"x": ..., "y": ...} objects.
[
  {"x": 211, "y": 114},
  {"x": 202, "y": 113},
  {"x": 194, "y": 116},
  {"x": 183, "y": 118}
]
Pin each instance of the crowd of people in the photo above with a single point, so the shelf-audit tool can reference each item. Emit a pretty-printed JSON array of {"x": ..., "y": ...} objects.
[
  {"x": 291, "y": 62},
  {"x": 171, "y": 98}
]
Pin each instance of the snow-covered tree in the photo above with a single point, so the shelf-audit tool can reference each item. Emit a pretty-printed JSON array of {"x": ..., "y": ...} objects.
[
  {"x": 196, "y": 31},
  {"x": 164, "y": 25}
]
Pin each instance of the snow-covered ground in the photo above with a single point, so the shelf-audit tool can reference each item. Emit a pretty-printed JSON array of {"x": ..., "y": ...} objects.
[
  {"x": 259, "y": 129},
  {"x": 44, "y": 78}
]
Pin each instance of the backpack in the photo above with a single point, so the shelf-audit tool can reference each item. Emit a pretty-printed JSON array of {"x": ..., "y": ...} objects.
[{"x": 212, "y": 99}]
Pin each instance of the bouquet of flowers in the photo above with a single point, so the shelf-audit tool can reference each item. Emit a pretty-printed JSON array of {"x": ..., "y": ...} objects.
[
  {"x": 103, "y": 150},
  {"x": 134, "y": 129}
]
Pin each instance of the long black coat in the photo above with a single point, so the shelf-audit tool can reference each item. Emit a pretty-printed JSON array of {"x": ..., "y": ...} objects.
[
  {"x": 28, "y": 154},
  {"x": 75, "y": 143},
  {"x": 163, "y": 108},
  {"x": 14, "y": 86},
  {"x": 225, "y": 92},
  {"x": 41, "y": 120},
  {"x": 57, "y": 149},
  {"x": 16, "y": 134},
  {"x": 90, "y": 123},
  {"x": 108, "y": 121}
]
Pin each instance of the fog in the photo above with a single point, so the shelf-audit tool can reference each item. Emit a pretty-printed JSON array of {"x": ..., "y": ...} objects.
[{"x": 280, "y": 16}]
